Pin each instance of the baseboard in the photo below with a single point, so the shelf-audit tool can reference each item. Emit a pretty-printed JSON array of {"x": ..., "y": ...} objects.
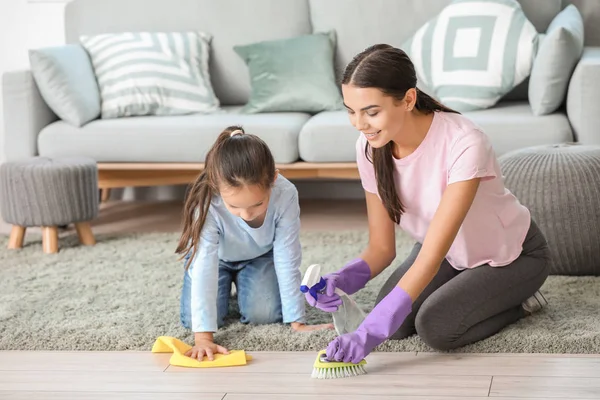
[
  {"x": 318, "y": 189},
  {"x": 329, "y": 190}
]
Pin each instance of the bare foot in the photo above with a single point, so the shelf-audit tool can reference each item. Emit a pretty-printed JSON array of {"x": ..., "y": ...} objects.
[{"x": 298, "y": 327}]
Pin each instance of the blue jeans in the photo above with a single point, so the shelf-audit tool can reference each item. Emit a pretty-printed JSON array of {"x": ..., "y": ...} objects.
[{"x": 257, "y": 292}]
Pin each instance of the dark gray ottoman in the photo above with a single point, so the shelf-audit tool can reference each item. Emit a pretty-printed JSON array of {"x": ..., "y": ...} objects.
[
  {"x": 560, "y": 184},
  {"x": 49, "y": 193}
]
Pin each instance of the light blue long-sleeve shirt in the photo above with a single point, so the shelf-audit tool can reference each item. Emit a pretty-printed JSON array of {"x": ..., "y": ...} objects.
[{"x": 229, "y": 238}]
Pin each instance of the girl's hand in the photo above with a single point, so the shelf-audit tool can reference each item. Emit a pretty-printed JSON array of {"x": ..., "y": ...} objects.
[
  {"x": 300, "y": 327},
  {"x": 205, "y": 347}
]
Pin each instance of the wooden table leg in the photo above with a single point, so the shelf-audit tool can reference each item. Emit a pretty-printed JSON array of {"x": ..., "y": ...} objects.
[
  {"x": 104, "y": 195},
  {"x": 17, "y": 235},
  {"x": 50, "y": 239},
  {"x": 84, "y": 231}
]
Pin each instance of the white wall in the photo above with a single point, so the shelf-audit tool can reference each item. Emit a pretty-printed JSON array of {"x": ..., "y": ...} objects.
[
  {"x": 28, "y": 24},
  {"x": 24, "y": 25}
]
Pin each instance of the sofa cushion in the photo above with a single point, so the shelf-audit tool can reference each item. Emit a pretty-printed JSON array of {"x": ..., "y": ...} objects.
[
  {"x": 359, "y": 23},
  {"x": 168, "y": 138},
  {"x": 152, "y": 73},
  {"x": 294, "y": 74},
  {"x": 558, "y": 54},
  {"x": 65, "y": 77},
  {"x": 474, "y": 52},
  {"x": 329, "y": 136},
  {"x": 230, "y": 22}
]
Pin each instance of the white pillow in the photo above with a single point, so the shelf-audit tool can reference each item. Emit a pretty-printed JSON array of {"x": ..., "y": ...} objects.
[
  {"x": 474, "y": 52},
  {"x": 152, "y": 73}
]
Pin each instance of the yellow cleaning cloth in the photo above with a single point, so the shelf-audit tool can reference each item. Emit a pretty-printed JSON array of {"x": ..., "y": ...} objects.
[{"x": 167, "y": 344}]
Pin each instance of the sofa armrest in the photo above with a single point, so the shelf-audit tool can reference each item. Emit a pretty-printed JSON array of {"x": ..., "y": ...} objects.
[
  {"x": 583, "y": 97},
  {"x": 25, "y": 114}
]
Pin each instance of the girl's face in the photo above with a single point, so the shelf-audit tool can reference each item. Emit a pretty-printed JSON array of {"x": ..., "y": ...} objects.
[
  {"x": 379, "y": 117},
  {"x": 247, "y": 202}
]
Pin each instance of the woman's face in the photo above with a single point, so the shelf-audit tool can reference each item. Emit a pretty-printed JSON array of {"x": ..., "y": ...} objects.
[{"x": 377, "y": 116}]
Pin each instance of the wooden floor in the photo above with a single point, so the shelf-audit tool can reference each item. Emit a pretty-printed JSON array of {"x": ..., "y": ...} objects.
[{"x": 286, "y": 376}]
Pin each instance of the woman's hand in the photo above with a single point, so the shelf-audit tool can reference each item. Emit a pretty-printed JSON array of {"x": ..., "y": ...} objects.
[
  {"x": 300, "y": 327},
  {"x": 378, "y": 326},
  {"x": 350, "y": 279}
]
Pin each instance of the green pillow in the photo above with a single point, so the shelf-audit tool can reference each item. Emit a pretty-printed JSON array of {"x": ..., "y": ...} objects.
[{"x": 295, "y": 74}]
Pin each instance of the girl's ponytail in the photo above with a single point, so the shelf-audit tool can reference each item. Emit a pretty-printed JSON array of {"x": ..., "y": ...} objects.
[{"x": 194, "y": 215}]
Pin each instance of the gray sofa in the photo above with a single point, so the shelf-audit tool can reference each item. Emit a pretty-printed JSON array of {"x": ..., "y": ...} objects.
[{"x": 32, "y": 129}]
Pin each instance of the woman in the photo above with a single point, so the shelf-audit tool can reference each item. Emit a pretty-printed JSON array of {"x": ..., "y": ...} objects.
[{"x": 479, "y": 259}]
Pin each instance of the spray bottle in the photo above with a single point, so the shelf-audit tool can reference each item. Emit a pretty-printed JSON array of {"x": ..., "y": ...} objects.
[{"x": 348, "y": 316}]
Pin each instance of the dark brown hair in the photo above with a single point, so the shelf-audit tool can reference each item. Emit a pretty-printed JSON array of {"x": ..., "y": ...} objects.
[
  {"x": 390, "y": 70},
  {"x": 234, "y": 161}
]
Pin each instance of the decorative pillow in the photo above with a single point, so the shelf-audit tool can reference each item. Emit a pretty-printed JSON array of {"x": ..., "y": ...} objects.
[
  {"x": 559, "y": 52},
  {"x": 65, "y": 78},
  {"x": 295, "y": 74},
  {"x": 474, "y": 52},
  {"x": 152, "y": 73}
]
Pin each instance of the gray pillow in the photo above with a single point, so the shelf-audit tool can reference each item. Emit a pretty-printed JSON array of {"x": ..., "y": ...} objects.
[
  {"x": 558, "y": 54},
  {"x": 66, "y": 80}
]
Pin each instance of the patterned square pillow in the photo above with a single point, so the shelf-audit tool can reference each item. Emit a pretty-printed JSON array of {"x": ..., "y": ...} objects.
[
  {"x": 474, "y": 52},
  {"x": 152, "y": 73}
]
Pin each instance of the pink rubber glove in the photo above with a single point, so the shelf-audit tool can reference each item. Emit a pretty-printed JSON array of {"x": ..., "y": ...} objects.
[
  {"x": 381, "y": 323},
  {"x": 351, "y": 278}
]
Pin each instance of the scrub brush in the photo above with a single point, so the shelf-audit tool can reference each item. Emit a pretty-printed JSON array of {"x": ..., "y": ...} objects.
[{"x": 325, "y": 369}]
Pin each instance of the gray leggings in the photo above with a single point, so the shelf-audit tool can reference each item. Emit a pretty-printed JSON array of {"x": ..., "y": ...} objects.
[{"x": 461, "y": 307}]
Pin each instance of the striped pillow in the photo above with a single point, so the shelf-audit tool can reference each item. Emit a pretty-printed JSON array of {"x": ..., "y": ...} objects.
[
  {"x": 474, "y": 52},
  {"x": 152, "y": 73}
]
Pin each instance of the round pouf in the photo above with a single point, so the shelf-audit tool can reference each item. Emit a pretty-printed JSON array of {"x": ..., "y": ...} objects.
[
  {"x": 48, "y": 193},
  {"x": 560, "y": 184}
]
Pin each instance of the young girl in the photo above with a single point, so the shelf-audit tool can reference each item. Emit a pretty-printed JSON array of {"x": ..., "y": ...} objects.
[
  {"x": 479, "y": 259},
  {"x": 241, "y": 223}
]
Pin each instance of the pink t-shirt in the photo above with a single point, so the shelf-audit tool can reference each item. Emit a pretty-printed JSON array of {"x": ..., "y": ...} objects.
[{"x": 455, "y": 149}]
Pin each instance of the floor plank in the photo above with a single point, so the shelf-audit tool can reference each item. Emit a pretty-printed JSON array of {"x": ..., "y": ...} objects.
[
  {"x": 242, "y": 396},
  {"x": 107, "y": 396},
  {"x": 426, "y": 364},
  {"x": 248, "y": 383},
  {"x": 546, "y": 387},
  {"x": 82, "y": 361},
  {"x": 301, "y": 363},
  {"x": 502, "y": 365}
]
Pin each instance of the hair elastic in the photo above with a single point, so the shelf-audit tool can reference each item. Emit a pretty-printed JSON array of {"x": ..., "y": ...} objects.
[{"x": 236, "y": 132}]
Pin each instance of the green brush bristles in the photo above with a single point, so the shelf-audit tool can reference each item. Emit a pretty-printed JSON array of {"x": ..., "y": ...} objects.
[{"x": 324, "y": 369}]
